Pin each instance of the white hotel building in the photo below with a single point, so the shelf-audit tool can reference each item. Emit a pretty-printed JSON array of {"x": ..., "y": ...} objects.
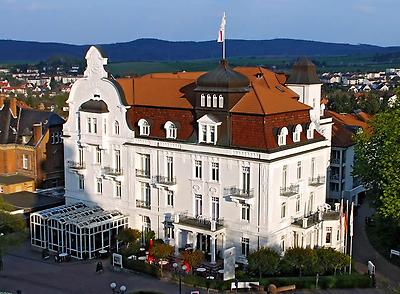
[{"x": 232, "y": 157}]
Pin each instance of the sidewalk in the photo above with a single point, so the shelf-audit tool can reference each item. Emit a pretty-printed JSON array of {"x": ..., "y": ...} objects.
[{"x": 386, "y": 273}]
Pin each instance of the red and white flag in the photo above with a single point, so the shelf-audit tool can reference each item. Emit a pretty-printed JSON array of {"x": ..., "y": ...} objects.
[
  {"x": 221, "y": 34},
  {"x": 351, "y": 219}
]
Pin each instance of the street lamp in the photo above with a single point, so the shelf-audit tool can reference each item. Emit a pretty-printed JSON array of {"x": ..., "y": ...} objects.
[
  {"x": 180, "y": 271},
  {"x": 114, "y": 289}
]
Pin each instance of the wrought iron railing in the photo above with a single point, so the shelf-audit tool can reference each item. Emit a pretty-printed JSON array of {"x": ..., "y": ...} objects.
[
  {"x": 76, "y": 165},
  {"x": 293, "y": 189},
  {"x": 240, "y": 193},
  {"x": 112, "y": 171},
  {"x": 316, "y": 181},
  {"x": 143, "y": 204},
  {"x": 164, "y": 180},
  {"x": 144, "y": 173}
]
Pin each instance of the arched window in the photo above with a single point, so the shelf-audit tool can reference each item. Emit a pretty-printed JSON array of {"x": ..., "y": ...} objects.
[
  {"x": 282, "y": 136},
  {"x": 221, "y": 101},
  {"x": 116, "y": 127},
  {"x": 310, "y": 131},
  {"x": 296, "y": 133},
  {"x": 171, "y": 130},
  {"x": 215, "y": 101},
  {"x": 208, "y": 100},
  {"x": 203, "y": 100},
  {"x": 144, "y": 127}
]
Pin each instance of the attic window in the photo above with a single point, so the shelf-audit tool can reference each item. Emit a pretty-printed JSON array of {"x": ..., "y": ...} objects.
[
  {"x": 259, "y": 75},
  {"x": 296, "y": 133},
  {"x": 171, "y": 130},
  {"x": 208, "y": 129},
  {"x": 221, "y": 101},
  {"x": 203, "y": 100},
  {"x": 215, "y": 101},
  {"x": 208, "y": 100},
  {"x": 282, "y": 136},
  {"x": 144, "y": 127},
  {"x": 310, "y": 131}
]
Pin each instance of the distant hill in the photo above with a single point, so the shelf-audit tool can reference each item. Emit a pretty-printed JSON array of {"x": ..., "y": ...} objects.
[{"x": 160, "y": 50}]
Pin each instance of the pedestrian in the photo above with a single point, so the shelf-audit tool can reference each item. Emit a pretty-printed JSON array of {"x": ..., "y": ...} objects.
[{"x": 99, "y": 267}]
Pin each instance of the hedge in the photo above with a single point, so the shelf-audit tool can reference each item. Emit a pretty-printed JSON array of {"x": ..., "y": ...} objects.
[{"x": 143, "y": 267}]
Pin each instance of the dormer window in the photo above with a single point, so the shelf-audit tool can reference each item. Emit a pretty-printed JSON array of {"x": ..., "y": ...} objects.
[
  {"x": 282, "y": 136},
  {"x": 215, "y": 101},
  {"x": 203, "y": 100},
  {"x": 144, "y": 127},
  {"x": 221, "y": 101},
  {"x": 116, "y": 128},
  {"x": 208, "y": 100},
  {"x": 208, "y": 129},
  {"x": 296, "y": 133},
  {"x": 171, "y": 130},
  {"x": 310, "y": 131}
]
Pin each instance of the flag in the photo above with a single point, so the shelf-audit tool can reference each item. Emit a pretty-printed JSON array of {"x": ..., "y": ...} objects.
[
  {"x": 351, "y": 219},
  {"x": 221, "y": 33},
  {"x": 341, "y": 214}
]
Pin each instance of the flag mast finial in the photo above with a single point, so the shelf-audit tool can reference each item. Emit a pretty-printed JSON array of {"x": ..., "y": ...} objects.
[{"x": 221, "y": 35}]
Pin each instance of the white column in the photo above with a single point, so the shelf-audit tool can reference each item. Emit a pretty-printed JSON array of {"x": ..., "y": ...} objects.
[
  {"x": 223, "y": 239},
  {"x": 176, "y": 239},
  {"x": 194, "y": 236},
  {"x": 213, "y": 257}
]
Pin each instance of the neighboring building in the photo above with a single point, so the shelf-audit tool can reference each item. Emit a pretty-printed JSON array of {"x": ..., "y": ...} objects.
[
  {"x": 232, "y": 157},
  {"x": 16, "y": 183},
  {"x": 31, "y": 144},
  {"x": 342, "y": 184}
]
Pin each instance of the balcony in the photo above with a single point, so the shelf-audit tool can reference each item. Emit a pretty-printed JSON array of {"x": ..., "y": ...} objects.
[
  {"x": 290, "y": 190},
  {"x": 334, "y": 177},
  {"x": 110, "y": 171},
  {"x": 161, "y": 180},
  {"x": 143, "y": 173},
  {"x": 201, "y": 222},
  {"x": 335, "y": 161},
  {"x": 143, "y": 204},
  {"x": 316, "y": 181},
  {"x": 239, "y": 193},
  {"x": 76, "y": 165}
]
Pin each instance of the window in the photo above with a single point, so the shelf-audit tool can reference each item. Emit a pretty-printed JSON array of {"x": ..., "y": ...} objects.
[
  {"x": 299, "y": 170},
  {"x": 208, "y": 100},
  {"x": 99, "y": 186},
  {"x": 284, "y": 176},
  {"x": 81, "y": 182},
  {"x": 89, "y": 125},
  {"x": 283, "y": 210},
  {"x": 170, "y": 198},
  {"x": 146, "y": 197},
  {"x": 169, "y": 232},
  {"x": 297, "y": 132},
  {"x": 198, "y": 205},
  {"x": 246, "y": 179},
  {"x": 298, "y": 203},
  {"x": 215, "y": 171},
  {"x": 245, "y": 246},
  {"x": 338, "y": 235},
  {"x": 313, "y": 167},
  {"x": 221, "y": 101},
  {"x": 170, "y": 168},
  {"x": 204, "y": 133},
  {"x": 105, "y": 126},
  {"x": 246, "y": 212},
  {"x": 117, "y": 160},
  {"x": 144, "y": 127},
  {"x": 282, "y": 136},
  {"x": 310, "y": 131},
  {"x": 171, "y": 130},
  {"x": 311, "y": 203},
  {"x": 118, "y": 189},
  {"x": 145, "y": 164},
  {"x": 215, "y": 208},
  {"x": 116, "y": 128},
  {"x": 328, "y": 237},
  {"x": 282, "y": 244},
  {"x": 98, "y": 155},
  {"x": 198, "y": 169},
  {"x": 80, "y": 153},
  {"x": 208, "y": 129},
  {"x": 25, "y": 161},
  {"x": 95, "y": 125},
  {"x": 202, "y": 100},
  {"x": 215, "y": 101},
  {"x": 212, "y": 134}
]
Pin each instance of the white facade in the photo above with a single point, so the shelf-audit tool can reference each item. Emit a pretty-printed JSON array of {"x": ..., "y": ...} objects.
[{"x": 197, "y": 195}]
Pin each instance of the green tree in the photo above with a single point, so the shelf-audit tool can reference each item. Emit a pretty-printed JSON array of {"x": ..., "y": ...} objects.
[
  {"x": 265, "y": 261},
  {"x": 193, "y": 258},
  {"x": 377, "y": 161},
  {"x": 330, "y": 260},
  {"x": 341, "y": 101},
  {"x": 370, "y": 103},
  {"x": 162, "y": 252},
  {"x": 300, "y": 260},
  {"x": 129, "y": 236}
]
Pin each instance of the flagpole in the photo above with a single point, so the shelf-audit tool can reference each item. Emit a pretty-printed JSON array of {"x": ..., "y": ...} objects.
[
  {"x": 223, "y": 49},
  {"x": 224, "y": 38},
  {"x": 351, "y": 234},
  {"x": 347, "y": 227}
]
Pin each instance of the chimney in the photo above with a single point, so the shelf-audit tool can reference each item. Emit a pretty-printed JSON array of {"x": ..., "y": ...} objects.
[
  {"x": 13, "y": 106},
  {"x": 1, "y": 101},
  {"x": 37, "y": 133}
]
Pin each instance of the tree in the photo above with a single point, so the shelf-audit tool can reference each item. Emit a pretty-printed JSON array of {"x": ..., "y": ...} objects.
[
  {"x": 377, "y": 162},
  {"x": 129, "y": 236},
  {"x": 265, "y": 261},
  {"x": 301, "y": 260},
  {"x": 193, "y": 258},
  {"x": 162, "y": 252},
  {"x": 341, "y": 101},
  {"x": 330, "y": 260},
  {"x": 370, "y": 103}
]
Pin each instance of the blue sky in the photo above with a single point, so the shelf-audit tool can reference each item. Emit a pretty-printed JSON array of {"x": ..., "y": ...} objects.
[{"x": 107, "y": 21}]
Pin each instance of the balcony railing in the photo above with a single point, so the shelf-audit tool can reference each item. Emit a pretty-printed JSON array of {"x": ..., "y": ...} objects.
[
  {"x": 164, "y": 180},
  {"x": 239, "y": 193},
  {"x": 76, "y": 165},
  {"x": 290, "y": 190},
  {"x": 201, "y": 222},
  {"x": 335, "y": 160},
  {"x": 334, "y": 177},
  {"x": 316, "y": 181},
  {"x": 112, "y": 171},
  {"x": 143, "y": 173},
  {"x": 143, "y": 204}
]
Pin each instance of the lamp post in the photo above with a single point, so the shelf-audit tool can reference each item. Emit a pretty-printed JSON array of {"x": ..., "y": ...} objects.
[
  {"x": 180, "y": 270},
  {"x": 114, "y": 289}
]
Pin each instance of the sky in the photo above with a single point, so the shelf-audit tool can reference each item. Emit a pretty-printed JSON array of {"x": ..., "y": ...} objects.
[{"x": 110, "y": 21}]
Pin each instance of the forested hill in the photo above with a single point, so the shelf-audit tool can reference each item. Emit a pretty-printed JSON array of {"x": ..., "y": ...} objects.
[{"x": 159, "y": 50}]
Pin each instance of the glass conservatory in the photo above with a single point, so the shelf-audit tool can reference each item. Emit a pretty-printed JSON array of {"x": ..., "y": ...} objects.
[{"x": 77, "y": 229}]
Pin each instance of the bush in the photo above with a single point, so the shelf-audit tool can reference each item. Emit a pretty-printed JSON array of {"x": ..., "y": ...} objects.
[
  {"x": 198, "y": 281},
  {"x": 143, "y": 267},
  {"x": 264, "y": 262},
  {"x": 299, "y": 260}
]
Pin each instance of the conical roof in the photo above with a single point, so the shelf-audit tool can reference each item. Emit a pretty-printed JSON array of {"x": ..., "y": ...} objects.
[
  {"x": 303, "y": 72},
  {"x": 223, "y": 79}
]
